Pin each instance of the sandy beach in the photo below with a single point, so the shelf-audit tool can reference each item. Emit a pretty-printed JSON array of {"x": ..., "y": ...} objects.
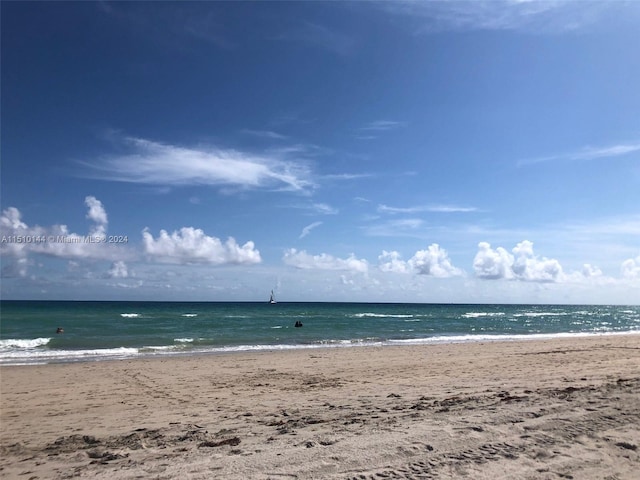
[{"x": 564, "y": 408}]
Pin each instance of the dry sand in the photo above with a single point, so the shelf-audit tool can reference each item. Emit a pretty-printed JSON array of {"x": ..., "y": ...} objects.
[{"x": 567, "y": 408}]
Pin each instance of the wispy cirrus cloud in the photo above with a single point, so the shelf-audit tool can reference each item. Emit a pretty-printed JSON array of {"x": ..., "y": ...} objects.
[
  {"x": 395, "y": 228},
  {"x": 586, "y": 153},
  {"x": 316, "y": 208},
  {"x": 268, "y": 134},
  {"x": 382, "y": 125},
  {"x": 347, "y": 176},
  {"x": 307, "y": 230},
  {"x": 153, "y": 163},
  {"x": 550, "y": 16},
  {"x": 426, "y": 208},
  {"x": 371, "y": 130}
]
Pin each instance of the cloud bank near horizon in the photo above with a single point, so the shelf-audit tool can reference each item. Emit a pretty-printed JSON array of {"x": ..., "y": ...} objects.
[{"x": 192, "y": 246}]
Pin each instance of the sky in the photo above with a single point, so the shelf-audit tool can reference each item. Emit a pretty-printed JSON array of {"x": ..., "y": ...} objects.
[{"x": 447, "y": 152}]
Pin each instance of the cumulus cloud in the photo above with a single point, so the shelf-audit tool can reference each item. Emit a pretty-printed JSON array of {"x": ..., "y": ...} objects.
[
  {"x": 392, "y": 262},
  {"x": 97, "y": 214},
  {"x": 527, "y": 266},
  {"x": 20, "y": 239},
  {"x": 434, "y": 261},
  {"x": 492, "y": 264},
  {"x": 12, "y": 220},
  {"x": 155, "y": 163},
  {"x": 118, "y": 269},
  {"x": 589, "y": 271},
  {"x": 522, "y": 265},
  {"x": 631, "y": 268},
  {"x": 301, "y": 259},
  {"x": 192, "y": 245},
  {"x": 307, "y": 230}
]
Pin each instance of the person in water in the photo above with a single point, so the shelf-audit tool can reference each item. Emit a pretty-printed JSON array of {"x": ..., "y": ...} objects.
[
  {"x": 60, "y": 330},
  {"x": 298, "y": 323}
]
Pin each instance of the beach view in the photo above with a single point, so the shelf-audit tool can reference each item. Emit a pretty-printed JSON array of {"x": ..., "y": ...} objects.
[{"x": 320, "y": 240}]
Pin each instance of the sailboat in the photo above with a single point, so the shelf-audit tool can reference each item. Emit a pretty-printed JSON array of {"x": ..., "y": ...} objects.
[{"x": 272, "y": 298}]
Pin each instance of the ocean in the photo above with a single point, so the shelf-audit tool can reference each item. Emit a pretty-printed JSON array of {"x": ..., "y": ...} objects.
[{"x": 120, "y": 330}]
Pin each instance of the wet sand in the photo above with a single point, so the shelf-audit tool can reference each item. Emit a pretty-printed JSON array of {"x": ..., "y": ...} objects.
[{"x": 556, "y": 409}]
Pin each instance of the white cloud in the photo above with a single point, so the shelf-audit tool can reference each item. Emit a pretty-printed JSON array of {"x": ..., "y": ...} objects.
[
  {"x": 316, "y": 208},
  {"x": 589, "y": 271},
  {"x": 307, "y": 230},
  {"x": 12, "y": 219},
  {"x": 191, "y": 245},
  {"x": 303, "y": 260},
  {"x": 96, "y": 214},
  {"x": 392, "y": 262},
  {"x": 492, "y": 264},
  {"x": 631, "y": 268},
  {"x": 371, "y": 130},
  {"x": 434, "y": 261},
  {"x": 394, "y": 228},
  {"x": 118, "y": 269},
  {"x": 265, "y": 134},
  {"x": 527, "y": 266},
  {"x": 325, "y": 209},
  {"x": 522, "y": 265},
  {"x": 156, "y": 163},
  {"x": 383, "y": 125},
  {"x": 514, "y": 15},
  {"x": 426, "y": 208},
  {"x": 20, "y": 239},
  {"x": 587, "y": 153}
]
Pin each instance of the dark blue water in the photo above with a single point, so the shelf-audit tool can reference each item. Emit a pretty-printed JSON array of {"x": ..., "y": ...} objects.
[{"x": 107, "y": 330}]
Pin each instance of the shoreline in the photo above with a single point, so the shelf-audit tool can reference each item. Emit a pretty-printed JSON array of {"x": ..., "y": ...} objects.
[
  {"x": 534, "y": 408},
  {"x": 150, "y": 352}
]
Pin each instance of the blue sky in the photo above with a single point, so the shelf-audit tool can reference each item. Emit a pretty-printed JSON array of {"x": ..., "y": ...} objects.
[{"x": 368, "y": 151}]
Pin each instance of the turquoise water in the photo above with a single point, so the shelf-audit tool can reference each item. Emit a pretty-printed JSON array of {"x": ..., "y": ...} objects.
[{"x": 111, "y": 330}]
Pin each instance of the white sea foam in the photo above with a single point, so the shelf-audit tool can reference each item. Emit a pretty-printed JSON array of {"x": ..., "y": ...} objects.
[
  {"x": 157, "y": 348},
  {"x": 483, "y": 314},
  {"x": 26, "y": 356},
  {"x": 16, "y": 343},
  {"x": 17, "y": 357},
  {"x": 189, "y": 315},
  {"x": 183, "y": 340},
  {"x": 130, "y": 315},
  {"x": 381, "y": 315},
  {"x": 504, "y": 338}
]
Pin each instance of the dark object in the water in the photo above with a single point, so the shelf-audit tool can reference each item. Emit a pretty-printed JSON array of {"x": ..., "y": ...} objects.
[
  {"x": 60, "y": 330},
  {"x": 298, "y": 324}
]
